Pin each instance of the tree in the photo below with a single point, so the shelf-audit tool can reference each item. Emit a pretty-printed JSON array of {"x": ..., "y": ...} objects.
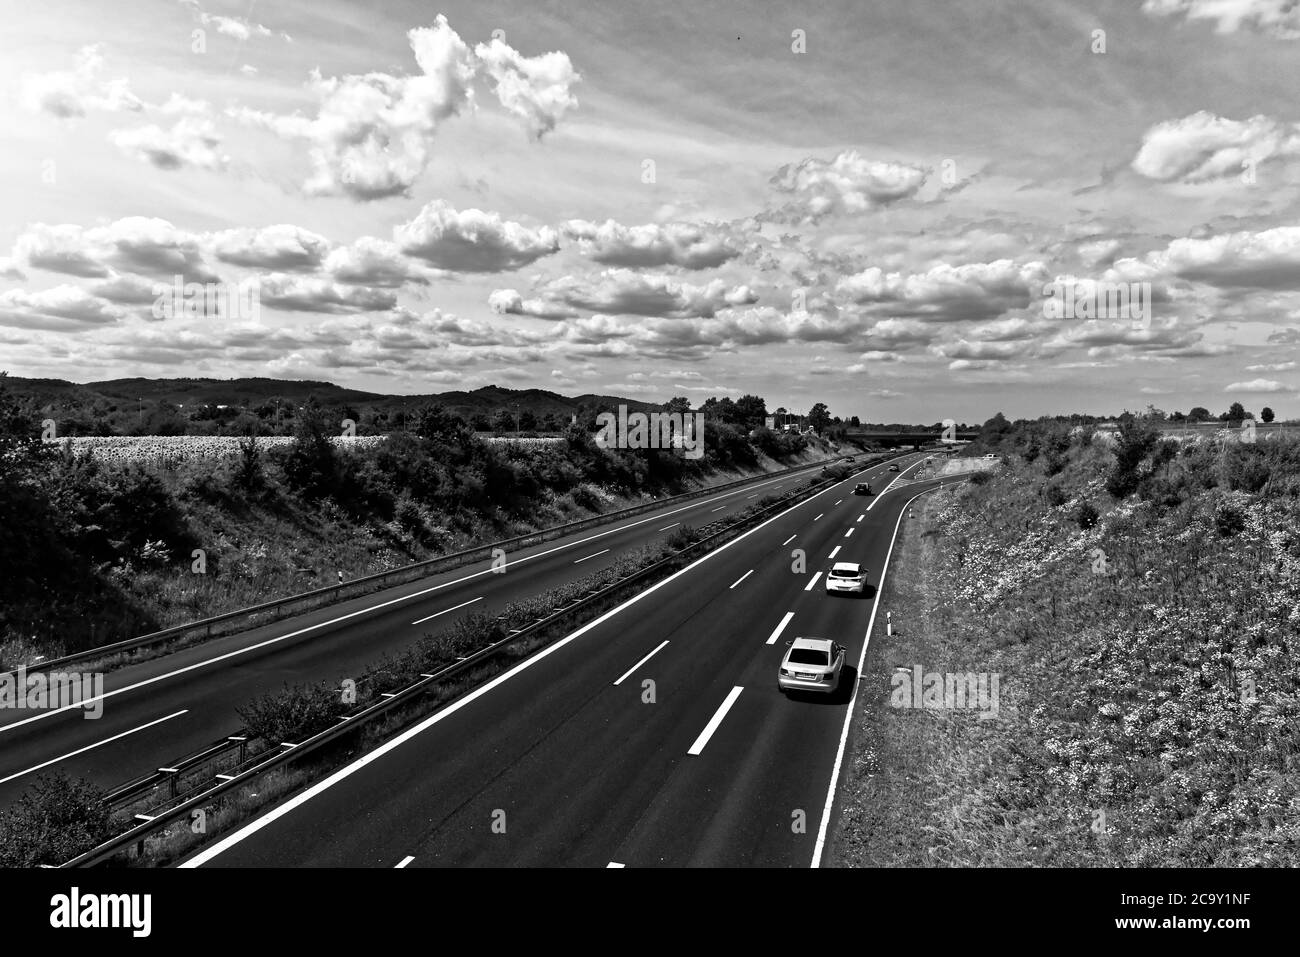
[
  {"x": 1266, "y": 415},
  {"x": 819, "y": 417},
  {"x": 527, "y": 421},
  {"x": 1199, "y": 413},
  {"x": 1236, "y": 412},
  {"x": 751, "y": 410},
  {"x": 503, "y": 421}
]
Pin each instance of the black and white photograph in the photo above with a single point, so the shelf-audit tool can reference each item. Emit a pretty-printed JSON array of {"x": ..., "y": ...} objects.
[{"x": 488, "y": 435}]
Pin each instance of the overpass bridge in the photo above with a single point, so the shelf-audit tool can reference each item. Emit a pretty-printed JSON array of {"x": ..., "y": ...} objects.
[{"x": 917, "y": 439}]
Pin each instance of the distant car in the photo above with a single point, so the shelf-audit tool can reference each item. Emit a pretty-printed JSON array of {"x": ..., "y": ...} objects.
[
  {"x": 990, "y": 456},
  {"x": 862, "y": 488},
  {"x": 847, "y": 577},
  {"x": 811, "y": 664},
  {"x": 892, "y": 468}
]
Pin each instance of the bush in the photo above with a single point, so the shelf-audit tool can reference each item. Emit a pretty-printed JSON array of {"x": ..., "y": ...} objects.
[
  {"x": 981, "y": 477},
  {"x": 1055, "y": 496},
  {"x": 296, "y": 713},
  {"x": 1085, "y": 515},
  {"x": 683, "y": 537},
  {"x": 56, "y": 819}
]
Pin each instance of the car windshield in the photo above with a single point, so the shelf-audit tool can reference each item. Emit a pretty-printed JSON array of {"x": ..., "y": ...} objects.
[
  {"x": 808, "y": 656},
  {"x": 843, "y": 574}
]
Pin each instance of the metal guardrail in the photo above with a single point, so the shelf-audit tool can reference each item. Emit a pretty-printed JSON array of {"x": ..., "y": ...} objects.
[
  {"x": 332, "y": 594},
  {"x": 348, "y": 724}
]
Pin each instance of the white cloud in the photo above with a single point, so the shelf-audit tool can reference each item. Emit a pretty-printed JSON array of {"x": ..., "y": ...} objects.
[
  {"x": 1203, "y": 147},
  {"x": 1264, "y": 386},
  {"x": 1278, "y": 17},
  {"x": 946, "y": 293},
  {"x": 310, "y": 294},
  {"x": 671, "y": 244},
  {"x": 64, "y": 308},
  {"x": 624, "y": 292},
  {"x": 190, "y": 141},
  {"x": 73, "y": 93},
  {"x": 1269, "y": 259},
  {"x": 282, "y": 248},
  {"x": 138, "y": 244},
  {"x": 535, "y": 89},
  {"x": 374, "y": 262},
  {"x": 847, "y": 184},
  {"x": 372, "y": 133},
  {"x": 472, "y": 240}
]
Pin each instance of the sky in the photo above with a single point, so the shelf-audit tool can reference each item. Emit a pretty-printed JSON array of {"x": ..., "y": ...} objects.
[{"x": 910, "y": 210}]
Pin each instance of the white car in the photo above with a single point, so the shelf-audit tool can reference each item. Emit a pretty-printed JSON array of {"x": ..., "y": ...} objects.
[
  {"x": 847, "y": 577},
  {"x": 811, "y": 664}
]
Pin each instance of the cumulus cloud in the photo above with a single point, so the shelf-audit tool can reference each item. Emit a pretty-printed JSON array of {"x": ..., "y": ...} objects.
[
  {"x": 151, "y": 246},
  {"x": 1204, "y": 147},
  {"x": 283, "y": 248},
  {"x": 946, "y": 293},
  {"x": 671, "y": 244},
  {"x": 1269, "y": 259},
  {"x": 372, "y": 134},
  {"x": 472, "y": 240},
  {"x": 535, "y": 89},
  {"x": 63, "y": 308},
  {"x": 624, "y": 292},
  {"x": 374, "y": 262},
  {"x": 74, "y": 93},
  {"x": 313, "y": 294},
  {"x": 237, "y": 28},
  {"x": 1262, "y": 386},
  {"x": 190, "y": 141},
  {"x": 849, "y": 183},
  {"x": 1280, "y": 18}
]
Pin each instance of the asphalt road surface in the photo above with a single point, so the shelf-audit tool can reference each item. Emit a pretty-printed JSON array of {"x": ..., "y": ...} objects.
[
  {"x": 655, "y": 735},
  {"x": 160, "y": 710}
]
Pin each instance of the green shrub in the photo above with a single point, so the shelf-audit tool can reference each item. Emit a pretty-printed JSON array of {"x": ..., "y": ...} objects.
[{"x": 54, "y": 820}]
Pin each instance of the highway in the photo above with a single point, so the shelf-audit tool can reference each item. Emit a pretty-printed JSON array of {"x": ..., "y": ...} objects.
[
  {"x": 160, "y": 710},
  {"x": 571, "y": 758}
]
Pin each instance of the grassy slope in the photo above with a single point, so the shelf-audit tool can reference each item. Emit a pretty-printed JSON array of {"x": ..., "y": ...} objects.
[{"x": 1129, "y": 732}]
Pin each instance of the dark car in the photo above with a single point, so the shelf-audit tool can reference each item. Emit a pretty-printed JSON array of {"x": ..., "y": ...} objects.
[
  {"x": 893, "y": 468},
  {"x": 862, "y": 488}
]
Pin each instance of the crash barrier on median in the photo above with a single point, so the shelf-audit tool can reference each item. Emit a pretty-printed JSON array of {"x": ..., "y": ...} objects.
[
  {"x": 250, "y": 768},
  {"x": 241, "y": 619}
]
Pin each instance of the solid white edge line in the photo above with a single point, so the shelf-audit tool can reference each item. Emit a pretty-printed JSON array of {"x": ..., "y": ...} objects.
[
  {"x": 848, "y": 717},
  {"x": 403, "y": 862},
  {"x": 809, "y": 586},
  {"x": 252, "y": 827},
  {"x": 892, "y": 481},
  {"x": 421, "y": 621},
  {"x": 372, "y": 608},
  {"x": 714, "y": 722},
  {"x": 581, "y": 560},
  {"x": 641, "y": 662},
  {"x": 780, "y": 628},
  {"x": 91, "y": 747},
  {"x": 741, "y": 579}
]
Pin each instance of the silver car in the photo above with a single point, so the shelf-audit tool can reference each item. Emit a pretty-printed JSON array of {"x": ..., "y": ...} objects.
[
  {"x": 846, "y": 577},
  {"x": 811, "y": 664}
]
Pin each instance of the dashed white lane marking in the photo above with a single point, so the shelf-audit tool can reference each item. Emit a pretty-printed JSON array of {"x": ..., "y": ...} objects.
[
  {"x": 404, "y": 861},
  {"x": 780, "y": 628},
  {"x": 666, "y": 527},
  {"x": 629, "y": 671},
  {"x": 89, "y": 747},
  {"x": 848, "y": 533},
  {"x": 420, "y": 621},
  {"x": 581, "y": 560},
  {"x": 809, "y": 586},
  {"x": 819, "y": 516},
  {"x": 613, "y": 864},
  {"x": 834, "y": 551},
  {"x": 716, "y": 720},
  {"x": 789, "y": 540},
  {"x": 741, "y": 579}
]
